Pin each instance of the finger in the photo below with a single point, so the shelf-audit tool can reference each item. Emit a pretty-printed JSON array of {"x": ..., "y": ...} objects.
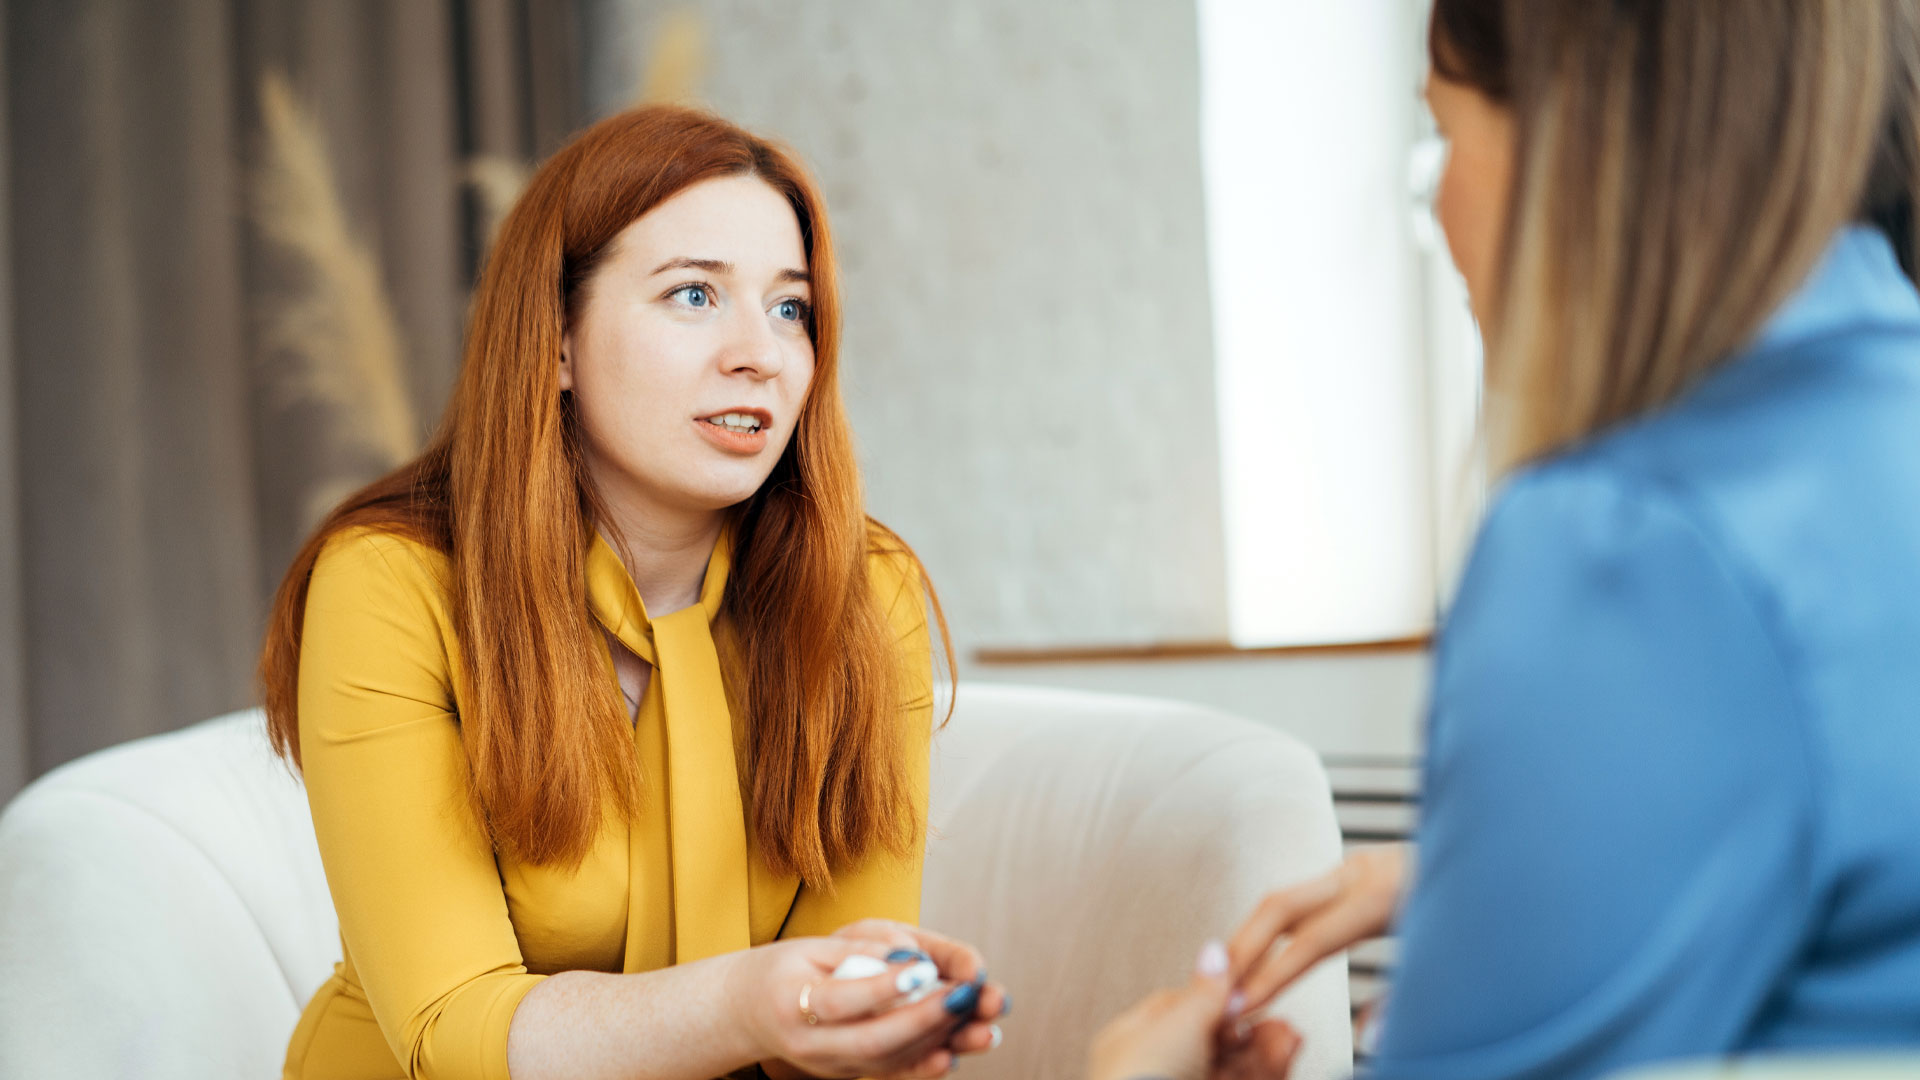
[
  {"x": 936, "y": 1064},
  {"x": 1267, "y": 1054},
  {"x": 837, "y": 1001},
  {"x": 958, "y": 961},
  {"x": 896, "y": 935},
  {"x": 1204, "y": 997},
  {"x": 1274, "y": 916},
  {"x": 827, "y": 953},
  {"x": 993, "y": 1002},
  {"x": 1273, "y": 1047},
  {"x": 940, "y": 1038},
  {"x": 913, "y": 1058},
  {"x": 888, "y": 1035},
  {"x": 1328, "y": 931},
  {"x": 976, "y": 1037}
]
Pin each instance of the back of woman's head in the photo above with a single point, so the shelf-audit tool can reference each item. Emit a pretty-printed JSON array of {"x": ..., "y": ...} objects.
[
  {"x": 1679, "y": 167},
  {"x": 505, "y": 492}
]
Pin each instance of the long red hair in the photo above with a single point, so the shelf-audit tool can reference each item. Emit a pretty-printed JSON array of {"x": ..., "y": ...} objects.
[{"x": 503, "y": 491}]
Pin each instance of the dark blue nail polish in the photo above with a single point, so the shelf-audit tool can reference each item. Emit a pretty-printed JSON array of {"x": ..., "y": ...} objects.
[
  {"x": 963, "y": 999},
  {"x": 906, "y": 956}
]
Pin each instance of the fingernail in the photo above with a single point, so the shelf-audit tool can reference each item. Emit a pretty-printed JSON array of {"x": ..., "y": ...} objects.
[
  {"x": 963, "y": 999},
  {"x": 915, "y": 977},
  {"x": 1006, "y": 1003},
  {"x": 994, "y": 1044},
  {"x": 903, "y": 956},
  {"x": 1235, "y": 1005},
  {"x": 1213, "y": 960}
]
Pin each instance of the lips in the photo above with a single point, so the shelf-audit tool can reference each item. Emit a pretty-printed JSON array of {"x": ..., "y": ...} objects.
[
  {"x": 736, "y": 431},
  {"x": 740, "y": 421}
]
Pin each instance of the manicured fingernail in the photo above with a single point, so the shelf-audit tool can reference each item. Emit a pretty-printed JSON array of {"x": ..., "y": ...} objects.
[
  {"x": 963, "y": 999},
  {"x": 915, "y": 977},
  {"x": 1236, "y": 1005},
  {"x": 998, "y": 1038},
  {"x": 1006, "y": 1003},
  {"x": 904, "y": 956},
  {"x": 1213, "y": 960}
]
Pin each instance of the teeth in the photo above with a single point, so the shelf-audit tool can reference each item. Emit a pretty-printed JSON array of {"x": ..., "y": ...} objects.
[{"x": 739, "y": 422}]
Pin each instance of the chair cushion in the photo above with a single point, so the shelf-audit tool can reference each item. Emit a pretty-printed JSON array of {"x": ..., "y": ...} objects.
[
  {"x": 1089, "y": 844},
  {"x": 163, "y": 912}
]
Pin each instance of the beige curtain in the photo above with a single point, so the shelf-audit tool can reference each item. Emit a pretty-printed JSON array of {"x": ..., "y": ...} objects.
[{"x": 163, "y": 431}]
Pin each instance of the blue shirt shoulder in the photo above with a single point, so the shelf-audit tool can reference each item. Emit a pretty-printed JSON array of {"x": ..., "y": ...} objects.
[{"x": 1680, "y": 657}]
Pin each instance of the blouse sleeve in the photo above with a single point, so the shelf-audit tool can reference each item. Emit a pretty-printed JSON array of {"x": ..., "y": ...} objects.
[
  {"x": 1614, "y": 851},
  {"x": 887, "y": 886},
  {"x": 421, "y": 907}
]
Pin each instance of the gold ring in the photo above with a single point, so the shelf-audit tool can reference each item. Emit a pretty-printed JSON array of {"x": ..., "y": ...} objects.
[{"x": 806, "y": 1010}]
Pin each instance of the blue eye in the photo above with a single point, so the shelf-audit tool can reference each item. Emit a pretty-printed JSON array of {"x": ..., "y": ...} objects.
[
  {"x": 694, "y": 296},
  {"x": 791, "y": 310}
]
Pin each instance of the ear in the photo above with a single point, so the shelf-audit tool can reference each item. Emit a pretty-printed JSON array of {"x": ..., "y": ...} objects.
[{"x": 566, "y": 362}]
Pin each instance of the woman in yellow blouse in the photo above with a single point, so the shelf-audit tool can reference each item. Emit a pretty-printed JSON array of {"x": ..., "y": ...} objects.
[{"x": 614, "y": 703}]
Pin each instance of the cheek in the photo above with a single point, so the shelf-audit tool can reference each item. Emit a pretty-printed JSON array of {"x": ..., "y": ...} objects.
[
  {"x": 804, "y": 370},
  {"x": 626, "y": 386},
  {"x": 1468, "y": 209}
]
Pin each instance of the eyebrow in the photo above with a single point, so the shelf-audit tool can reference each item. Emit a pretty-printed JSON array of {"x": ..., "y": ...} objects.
[{"x": 721, "y": 266}]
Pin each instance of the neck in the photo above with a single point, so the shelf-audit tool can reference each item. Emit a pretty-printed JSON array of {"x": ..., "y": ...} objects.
[{"x": 666, "y": 554}]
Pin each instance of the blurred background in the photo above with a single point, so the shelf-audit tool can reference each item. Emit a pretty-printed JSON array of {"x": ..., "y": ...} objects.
[{"x": 1152, "y": 348}]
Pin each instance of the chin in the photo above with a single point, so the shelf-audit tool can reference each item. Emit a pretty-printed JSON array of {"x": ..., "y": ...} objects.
[{"x": 721, "y": 494}]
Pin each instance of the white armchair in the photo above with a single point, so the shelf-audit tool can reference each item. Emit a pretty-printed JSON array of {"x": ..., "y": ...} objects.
[{"x": 163, "y": 912}]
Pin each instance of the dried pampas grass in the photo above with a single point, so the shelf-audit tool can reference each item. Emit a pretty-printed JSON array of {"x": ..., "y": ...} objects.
[
  {"x": 672, "y": 73},
  {"x": 677, "y": 60},
  {"x": 496, "y": 181},
  {"x": 332, "y": 339}
]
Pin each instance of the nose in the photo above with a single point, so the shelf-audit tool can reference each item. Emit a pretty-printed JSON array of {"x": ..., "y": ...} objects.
[{"x": 752, "y": 348}]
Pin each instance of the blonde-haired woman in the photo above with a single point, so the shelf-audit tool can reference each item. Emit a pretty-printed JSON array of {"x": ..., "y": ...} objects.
[{"x": 1673, "y": 772}]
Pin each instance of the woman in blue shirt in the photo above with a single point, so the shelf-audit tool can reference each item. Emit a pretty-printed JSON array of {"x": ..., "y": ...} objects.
[{"x": 1672, "y": 790}]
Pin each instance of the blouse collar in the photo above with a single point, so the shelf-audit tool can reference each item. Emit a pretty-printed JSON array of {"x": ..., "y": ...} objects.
[{"x": 615, "y": 600}]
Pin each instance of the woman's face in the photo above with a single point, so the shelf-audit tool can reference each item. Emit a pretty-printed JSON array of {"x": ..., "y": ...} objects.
[
  {"x": 1475, "y": 185},
  {"x": 690, "y": 359}
]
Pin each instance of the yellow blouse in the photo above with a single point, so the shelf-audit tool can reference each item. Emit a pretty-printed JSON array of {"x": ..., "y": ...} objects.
[{"x": 441, "y": 935}]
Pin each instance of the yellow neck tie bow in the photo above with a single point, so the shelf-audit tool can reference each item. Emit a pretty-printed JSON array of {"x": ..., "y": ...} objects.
[{"x": 706, "y": 834}]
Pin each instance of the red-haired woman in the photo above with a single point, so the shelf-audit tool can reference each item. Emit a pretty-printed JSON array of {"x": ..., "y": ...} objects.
[{"x": 614, "y": 701}]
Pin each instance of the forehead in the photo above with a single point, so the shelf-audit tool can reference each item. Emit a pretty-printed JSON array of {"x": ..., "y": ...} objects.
[{"x": 736, "y": 219}]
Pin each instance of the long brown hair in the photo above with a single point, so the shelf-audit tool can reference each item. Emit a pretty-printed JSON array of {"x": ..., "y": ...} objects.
[
  {"x": 1680, "y": 166},
  {"x": 503, "y": 491}
]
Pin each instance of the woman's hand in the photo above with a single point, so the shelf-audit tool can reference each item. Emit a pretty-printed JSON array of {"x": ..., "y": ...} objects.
[
  {"x": 859, "y": 1027},
  {"x": 959, "y": 963},
  {"x": 1294, "y": 929},
  {"x": 1188, "y": 1034}
]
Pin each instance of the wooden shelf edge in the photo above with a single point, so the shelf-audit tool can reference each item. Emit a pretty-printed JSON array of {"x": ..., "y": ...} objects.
[{"x": 1185, "y": 650}]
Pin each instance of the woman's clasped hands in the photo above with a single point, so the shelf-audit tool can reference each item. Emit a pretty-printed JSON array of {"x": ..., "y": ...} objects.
[{"x": 928, "y": 1003}]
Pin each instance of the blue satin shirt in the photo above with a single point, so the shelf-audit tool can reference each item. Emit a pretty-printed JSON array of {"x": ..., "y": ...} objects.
[{"x": 1672, "y": 793}]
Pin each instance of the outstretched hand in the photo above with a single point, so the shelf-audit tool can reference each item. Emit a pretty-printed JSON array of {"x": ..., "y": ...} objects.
[
  {"x": 1188, "y": 1033},
  {"x": 1295, "y": 928}
]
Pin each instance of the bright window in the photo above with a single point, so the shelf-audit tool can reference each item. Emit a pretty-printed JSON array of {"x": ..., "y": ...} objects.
[{"x": 1346, "y": 363}]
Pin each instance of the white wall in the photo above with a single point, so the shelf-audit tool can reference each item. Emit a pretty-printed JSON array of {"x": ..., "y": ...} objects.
[
  {"x": 1017, "y": 195},
  {"x": 1019, "y": 201}
]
